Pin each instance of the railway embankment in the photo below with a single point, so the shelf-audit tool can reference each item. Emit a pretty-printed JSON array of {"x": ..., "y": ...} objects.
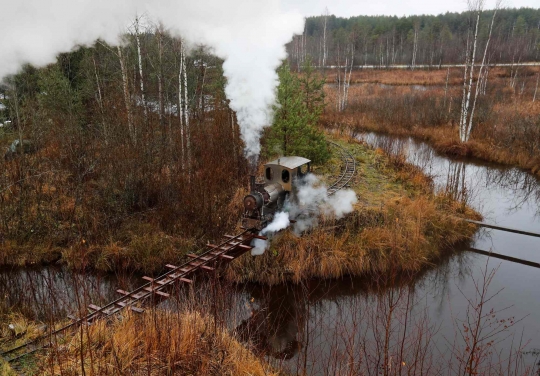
[{"x": 399, "y": 224}]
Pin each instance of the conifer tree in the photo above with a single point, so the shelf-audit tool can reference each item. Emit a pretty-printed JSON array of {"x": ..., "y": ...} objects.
[{"x": 301, "y": 101}]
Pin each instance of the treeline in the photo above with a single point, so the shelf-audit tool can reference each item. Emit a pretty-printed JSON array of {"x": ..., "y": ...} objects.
[
  {"x": 417, "y": 40},
  {"x": 135, "y": 155}
]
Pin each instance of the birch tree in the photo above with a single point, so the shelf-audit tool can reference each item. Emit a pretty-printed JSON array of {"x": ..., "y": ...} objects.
[
  {"x": 136, "y": 32},
  {"x": 159, "y": 36},
  {"x": 100, "y": 102},
  {"x": 467, "y": 111},
  {"x": 415, "y": 44},
  {"x": 184, "y": 114},
  {"x": 127, "y": 96},
  {"x": 325, "y": 47}
]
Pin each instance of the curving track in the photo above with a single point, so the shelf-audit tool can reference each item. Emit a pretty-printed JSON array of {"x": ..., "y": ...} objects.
[
  {"x": 347, "y": 170},
  {"x": 155, "y": 290}
]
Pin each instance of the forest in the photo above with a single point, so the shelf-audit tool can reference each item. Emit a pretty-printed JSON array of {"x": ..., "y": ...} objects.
[
  {"x": 121, "y": 161},
  {"x": 424, "y": 40}
]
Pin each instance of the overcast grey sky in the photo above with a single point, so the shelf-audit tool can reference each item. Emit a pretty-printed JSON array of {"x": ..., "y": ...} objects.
[{"x": 348, "y": 8}]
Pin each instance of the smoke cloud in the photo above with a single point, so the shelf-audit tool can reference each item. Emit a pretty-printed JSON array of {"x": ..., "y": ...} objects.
[
  {"x": 312, "y": 201},
  {"x": 281, "y": 221},
  {"x": 248, "y": 34}
]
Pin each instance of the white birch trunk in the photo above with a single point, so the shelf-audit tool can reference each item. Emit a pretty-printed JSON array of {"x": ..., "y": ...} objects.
[
  {"x": 127, "y": 98},
  {"x": 186, "y": 113},
  {"x": 481, "y": 71},
  {"x": 338, "y": 101},
  {"x": 181, "y": 109},
  {"x": 465, "y": 133},
  {"x": 159, "y": 36},
  {"x": 415, "y": 47},
  {"x": 342, "y": 102},
  {"x": 324, "y": 38},
  {"x": 346, "y": 100},
  {"x": 463, "y": 114},
  {"x": 139, "y": 55},
  {"x": 100, "y": 103}
]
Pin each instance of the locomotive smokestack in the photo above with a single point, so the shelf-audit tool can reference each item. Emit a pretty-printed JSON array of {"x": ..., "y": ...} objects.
[
  {"x": 253, "y": 162},
  {"x": 252, "y": 183}
]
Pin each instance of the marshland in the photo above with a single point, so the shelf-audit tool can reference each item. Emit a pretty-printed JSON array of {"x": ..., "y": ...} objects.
[{"x": 131, "y": 151}]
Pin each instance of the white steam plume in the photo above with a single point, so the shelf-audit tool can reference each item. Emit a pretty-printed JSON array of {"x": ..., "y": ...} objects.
[
  {"x": 248, "y": 34},
  {"x": 281, "y": 221},
  {"x": 312, "y": 200}
]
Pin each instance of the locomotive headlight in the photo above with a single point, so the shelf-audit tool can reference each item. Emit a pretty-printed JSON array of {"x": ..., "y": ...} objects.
[{"x": 253, "y": 201}]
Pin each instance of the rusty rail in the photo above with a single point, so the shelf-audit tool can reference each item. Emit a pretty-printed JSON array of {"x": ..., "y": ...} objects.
[
  {"x": 155, "y": 289},
  {"x": 347, "y": 172}
]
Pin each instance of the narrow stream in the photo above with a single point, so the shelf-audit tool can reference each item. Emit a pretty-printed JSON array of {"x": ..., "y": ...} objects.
[{"x": 334, "y": 327}]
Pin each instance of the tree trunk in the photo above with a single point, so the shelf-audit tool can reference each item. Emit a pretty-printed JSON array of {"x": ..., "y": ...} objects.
[
  {"x": 186, "y": 113},
  {"x": 127, "y": 99},
  {"x": 415, "y": 48},
  {"x": 159, "y": 35},
  {"x": 100, "y": 103},
  {"x": 324, "y": 38},
  {"x": 481, "y": 71},
  {"x": 141, "y": 76},
  {"x": 465, "y": 110}
]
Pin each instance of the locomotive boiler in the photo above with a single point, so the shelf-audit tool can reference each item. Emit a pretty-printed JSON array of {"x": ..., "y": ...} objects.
[{"x": 269, "y": 194}]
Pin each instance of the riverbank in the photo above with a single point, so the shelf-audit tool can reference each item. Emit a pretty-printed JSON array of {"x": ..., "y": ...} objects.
[
  {"x": 399, "y": 225},
  {"x": 186, "y": 342},
  {"x": 444, "y": 140},
  {"x": 427, "y": 105}
]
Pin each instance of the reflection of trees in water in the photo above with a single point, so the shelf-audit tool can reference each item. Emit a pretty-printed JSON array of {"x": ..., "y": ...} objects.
[
  {"x": 321, "y": 327},
  {"x": 376, "y": 325},
  {"x": 520, "y": 187},
  {"x": 525, "y": 187},
  {"x": 456, "y": 186},
  {"x": 352, "y": 325},
  {"x": 49, "y": 293}
]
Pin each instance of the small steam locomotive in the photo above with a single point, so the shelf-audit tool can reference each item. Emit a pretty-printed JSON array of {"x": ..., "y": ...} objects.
[{"x": 268, "y": 196}]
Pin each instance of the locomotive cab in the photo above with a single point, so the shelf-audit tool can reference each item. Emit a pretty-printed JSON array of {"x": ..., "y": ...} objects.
[
  {"x": 285, "y": 170},
  {"x": 267, "y": 197}
]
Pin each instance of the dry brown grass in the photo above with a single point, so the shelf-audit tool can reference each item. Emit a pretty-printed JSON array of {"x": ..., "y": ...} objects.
[
  {"x": 154, "y": 343},
  {"x": 406, "y": 235},
  {"x": 506, "y": 128},
  {"x": 426, "y": 77},
  {"x": 400, "y": 226}
]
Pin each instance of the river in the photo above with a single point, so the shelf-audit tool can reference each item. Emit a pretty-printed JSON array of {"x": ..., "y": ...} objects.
[{"x": 422, "y": 324}]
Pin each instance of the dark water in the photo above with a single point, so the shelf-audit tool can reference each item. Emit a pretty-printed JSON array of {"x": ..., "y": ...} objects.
[{"x": 338, "y": 327}]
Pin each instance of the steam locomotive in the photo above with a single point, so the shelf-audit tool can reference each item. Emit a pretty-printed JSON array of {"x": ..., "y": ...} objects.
[{"x": 268, "y": 195}]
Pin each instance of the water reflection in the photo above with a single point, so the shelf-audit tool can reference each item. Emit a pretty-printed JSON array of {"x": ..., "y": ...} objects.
[
  {"x": 510, "y": 189},
  {"x": 26, "y": 290},
  {"x": 357, "y": 325}
]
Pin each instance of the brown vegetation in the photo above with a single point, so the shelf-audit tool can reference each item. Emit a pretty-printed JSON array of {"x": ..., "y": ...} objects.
[
  {"x": 154, "y": 343},
  {"x": 398, "y": 225},
  {"x": 112, "y": 186},
  {"x": 396, "y": 77},
  {"x": 507, "y": 126}
]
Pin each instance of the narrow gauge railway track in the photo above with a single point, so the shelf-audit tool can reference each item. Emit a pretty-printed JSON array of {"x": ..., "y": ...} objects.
[
  {"x": 347, "y": 171},
  {"x": 155, "y": 290},
  {"x": 158, "y": 289}
]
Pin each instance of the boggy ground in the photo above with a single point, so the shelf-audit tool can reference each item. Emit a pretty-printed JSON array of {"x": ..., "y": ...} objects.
[
  {"x": 399, "y": 224},
  {"x": 420, "y": 104}
]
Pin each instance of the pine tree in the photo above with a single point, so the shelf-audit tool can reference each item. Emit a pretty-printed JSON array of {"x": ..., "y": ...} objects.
[{"x": 294, "y": 131}]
